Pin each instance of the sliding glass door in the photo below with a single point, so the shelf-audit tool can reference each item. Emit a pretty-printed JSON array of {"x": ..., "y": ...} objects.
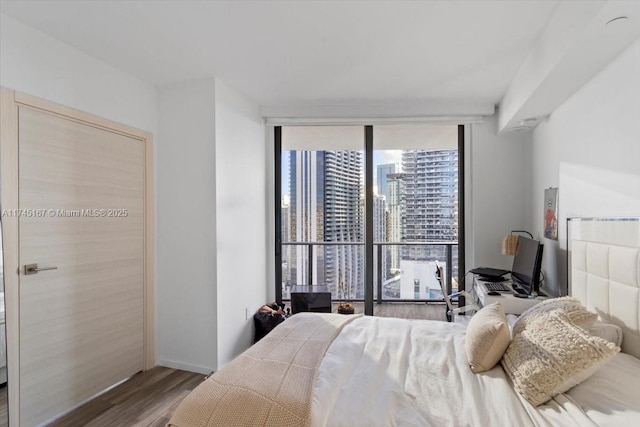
[
  {"x": 322, "y": 210},
  {"x": 366, "y": 212},
  {"x": 416, "y": 195}
]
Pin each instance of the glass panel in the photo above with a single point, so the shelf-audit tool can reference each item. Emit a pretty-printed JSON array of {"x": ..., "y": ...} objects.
[
  {"x": 323, "y": 202},
  {"x": 415, "y": 278},
  {"x": 345, "y": 267},
  {"x": 454, "y": 268},
  {"x": 295, "y": 262},
  {"x": 416, "y": 200}
]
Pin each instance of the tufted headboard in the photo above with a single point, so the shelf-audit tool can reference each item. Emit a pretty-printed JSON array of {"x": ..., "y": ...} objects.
[{"x": 604, "y": 272}]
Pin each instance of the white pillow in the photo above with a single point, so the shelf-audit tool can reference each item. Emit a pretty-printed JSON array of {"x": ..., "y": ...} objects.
[
  {"x": 606, "y": 331},
  {"x": 487, "y": 337},
  {"x": 569, "y": 306},
  {"x": 550, "y": 355}
]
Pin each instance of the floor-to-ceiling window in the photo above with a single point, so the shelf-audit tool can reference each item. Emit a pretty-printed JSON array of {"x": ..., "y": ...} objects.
[
  {"x": 416, "y": 193},
  {"x": 366, "y": 212},
  {"x": 321, "y": 209}
]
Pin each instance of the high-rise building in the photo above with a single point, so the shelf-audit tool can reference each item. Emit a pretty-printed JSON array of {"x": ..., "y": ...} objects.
[
  {"x": 285, "y": 229},
  {"x": 326, "y": 189},
  {"x": 395, "y": 205},
  {"x": 380, "y": 231},
  {"x": 430, "y": 201},
  {"x": 380, "y": 234},
  {"x": 327, "y": 205},
  {"x": 306, "y": 174},
  {"x": 382, "y": 180}
]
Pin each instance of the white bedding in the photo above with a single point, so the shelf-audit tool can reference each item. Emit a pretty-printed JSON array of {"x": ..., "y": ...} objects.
[
  {"x": 606, "y": 398},
  {"x": 396, "y": 372}
]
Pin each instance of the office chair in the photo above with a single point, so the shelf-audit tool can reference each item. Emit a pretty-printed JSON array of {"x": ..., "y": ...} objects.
[{"x": 452, "y": 311}]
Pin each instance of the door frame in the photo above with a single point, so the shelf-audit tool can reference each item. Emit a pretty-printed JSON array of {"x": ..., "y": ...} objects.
[{"x": 10, "y": 101}]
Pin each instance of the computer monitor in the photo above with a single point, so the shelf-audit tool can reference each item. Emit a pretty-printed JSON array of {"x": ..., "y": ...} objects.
[{"x": 527, "y": 264}]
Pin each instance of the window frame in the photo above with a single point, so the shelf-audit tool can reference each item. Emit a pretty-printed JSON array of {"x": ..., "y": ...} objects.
[{"x": 369, "y": 218}]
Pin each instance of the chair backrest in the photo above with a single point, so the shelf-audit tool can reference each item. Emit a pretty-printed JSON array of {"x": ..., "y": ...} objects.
[{"x": 443, "y": 285}]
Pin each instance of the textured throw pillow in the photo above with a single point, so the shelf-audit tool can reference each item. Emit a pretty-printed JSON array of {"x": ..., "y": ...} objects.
[
  {"x": 571, "y": 307},
  {"x": 551, "y": 355},
  {"x": 606, "y": 331},
  {"x": 487, "y": 338}
]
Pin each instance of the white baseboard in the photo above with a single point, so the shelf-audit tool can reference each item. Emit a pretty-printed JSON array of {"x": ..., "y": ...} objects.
[{"x": 186, "y": 367}]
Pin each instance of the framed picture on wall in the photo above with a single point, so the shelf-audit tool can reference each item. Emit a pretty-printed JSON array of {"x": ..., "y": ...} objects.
[{"x": 551, "y": 213}]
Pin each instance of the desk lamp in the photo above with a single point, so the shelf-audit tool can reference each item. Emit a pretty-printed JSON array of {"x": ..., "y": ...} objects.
[{"x": 510, "y": 243}]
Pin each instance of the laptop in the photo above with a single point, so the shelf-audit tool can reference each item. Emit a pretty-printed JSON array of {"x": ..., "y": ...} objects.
[{"x": 490, "y": 274}]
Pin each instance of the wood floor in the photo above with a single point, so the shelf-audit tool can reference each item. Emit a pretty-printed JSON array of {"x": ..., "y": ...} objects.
[
  {"x": 149, "y": 398},
  {"x": 415, "y": 310},
  {"x": 146, "y": 400}
]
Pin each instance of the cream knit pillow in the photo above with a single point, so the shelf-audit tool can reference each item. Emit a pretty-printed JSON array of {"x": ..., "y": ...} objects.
[
  {"x": 487, "y": 338},
  {"x": 571, "y": 307},
  {"x": 551, "y": 355}
]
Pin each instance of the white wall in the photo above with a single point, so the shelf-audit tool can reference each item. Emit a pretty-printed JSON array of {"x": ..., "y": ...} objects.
[
  {"x": 212, "y": 224},
  {"x": 241, "y": 208},
  {"x": 271, "y": 216},
  {"x": 36, "y": 64},
  {"x": 186, "y": 255},
  {"x": 498, "y": 192},
  {"x": 200, "y": 312},
  {"x": 590, "y": 148}
]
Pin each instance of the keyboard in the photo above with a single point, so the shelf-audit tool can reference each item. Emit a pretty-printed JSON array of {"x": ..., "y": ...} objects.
[{"x": 496, "y": 287}]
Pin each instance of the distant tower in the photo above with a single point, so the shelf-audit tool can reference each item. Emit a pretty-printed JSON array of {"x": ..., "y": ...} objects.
[
  {"x": 286, "y": 249},
  {"x": 382, "y": 179},
  {"x": 430, "y": 200},
  {"x": 395, "y": 205},
  {"x": 325, "y": 206},
  {"x": 380, "y": 232}
]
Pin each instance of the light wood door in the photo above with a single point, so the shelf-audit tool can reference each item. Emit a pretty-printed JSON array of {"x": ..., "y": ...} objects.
[{"x": 82, "y": 200}]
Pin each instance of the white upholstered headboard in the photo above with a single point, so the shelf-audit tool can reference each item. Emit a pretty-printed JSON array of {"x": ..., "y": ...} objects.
[{"x": 604, "y": 271}]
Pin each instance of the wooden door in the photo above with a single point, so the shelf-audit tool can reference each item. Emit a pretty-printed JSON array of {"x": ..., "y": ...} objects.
[{"x": 82, "y": 210}]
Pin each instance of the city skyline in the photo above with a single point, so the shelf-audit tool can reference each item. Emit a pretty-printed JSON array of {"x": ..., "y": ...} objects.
[
  {"x": 380, "y": 157},
  {"x": 414, "y": 200}
]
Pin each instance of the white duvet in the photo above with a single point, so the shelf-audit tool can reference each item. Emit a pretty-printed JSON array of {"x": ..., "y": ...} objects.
[{"x": 397, "y": 372}]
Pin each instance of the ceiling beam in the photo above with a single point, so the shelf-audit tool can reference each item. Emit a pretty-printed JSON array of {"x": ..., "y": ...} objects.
[{"x": 576, "y": 44}]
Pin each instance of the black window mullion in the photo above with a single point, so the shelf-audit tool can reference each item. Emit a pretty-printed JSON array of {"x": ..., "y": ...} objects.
[
  {"x": 278, "y": 210},
  {"x": 461, "y": 217},
  {"x": 368, "y": 221}
]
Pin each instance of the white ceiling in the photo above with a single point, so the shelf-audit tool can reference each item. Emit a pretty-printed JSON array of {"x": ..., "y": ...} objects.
[{"x": 304, "y": 53}]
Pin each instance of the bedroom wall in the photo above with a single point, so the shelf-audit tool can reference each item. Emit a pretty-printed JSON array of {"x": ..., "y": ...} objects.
[
  {"x": 590, "y": 148},
  {"x": 34, "y": 63},
  {"x": 241, "y": 219},
  {"x": 186, "y": 252},
  {"x": 179, "y": 116},
  {"x": 498, "y": 192}
]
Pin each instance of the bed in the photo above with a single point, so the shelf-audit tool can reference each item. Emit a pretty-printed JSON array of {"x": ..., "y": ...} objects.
[{"x": 336, "y": 370}]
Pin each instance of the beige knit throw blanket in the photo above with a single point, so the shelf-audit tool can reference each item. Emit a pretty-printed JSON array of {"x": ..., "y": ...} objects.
[{"x": 271, "y": 383}]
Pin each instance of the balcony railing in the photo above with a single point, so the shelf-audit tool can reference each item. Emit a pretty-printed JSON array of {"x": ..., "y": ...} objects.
[{"x": 403, "y": 271}]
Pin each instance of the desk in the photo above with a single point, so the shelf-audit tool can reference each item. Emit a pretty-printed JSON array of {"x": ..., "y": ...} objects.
[{"x": 510, "y": 303}]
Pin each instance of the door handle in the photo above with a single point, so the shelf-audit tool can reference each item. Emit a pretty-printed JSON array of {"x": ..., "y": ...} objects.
[{"x": 33, "y": 269}]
